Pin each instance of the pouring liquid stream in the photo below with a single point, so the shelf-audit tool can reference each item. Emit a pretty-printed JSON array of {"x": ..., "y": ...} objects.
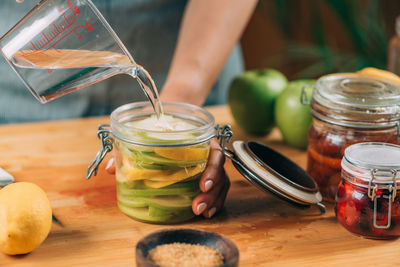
[{"x": 81, "y": 68}]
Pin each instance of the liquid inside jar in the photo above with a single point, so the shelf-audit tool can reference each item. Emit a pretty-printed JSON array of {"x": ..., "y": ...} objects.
[
  {"x": 326, "y": 145},
  {"x": 158, "y": 183},
  {"x": 348, "y": 109}
]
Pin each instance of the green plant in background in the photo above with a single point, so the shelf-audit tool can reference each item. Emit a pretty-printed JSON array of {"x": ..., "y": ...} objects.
[{"x": 364, "y": 26}]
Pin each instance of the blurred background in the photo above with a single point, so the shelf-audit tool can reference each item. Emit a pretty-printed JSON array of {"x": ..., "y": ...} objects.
[{"x": 309, "y": 38}]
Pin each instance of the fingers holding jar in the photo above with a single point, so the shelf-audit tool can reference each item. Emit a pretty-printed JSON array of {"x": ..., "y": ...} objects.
[
  {"x": 110, "y": 167},
  {"x": 215, "y": 167},
  {"x": 214, "y": 184},
  {"x": 208, "y": 203}
]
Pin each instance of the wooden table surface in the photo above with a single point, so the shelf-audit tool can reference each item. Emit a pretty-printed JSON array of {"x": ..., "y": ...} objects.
[{"x": 267, "y": 231}]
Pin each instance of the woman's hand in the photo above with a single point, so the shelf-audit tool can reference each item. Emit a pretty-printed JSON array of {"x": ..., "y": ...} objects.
[{"x": 214, "y": 183}]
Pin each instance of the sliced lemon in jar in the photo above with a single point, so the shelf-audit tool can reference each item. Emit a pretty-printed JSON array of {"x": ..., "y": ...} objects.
[
  {"x": 133, "y": 173},
  {"x": 157, "y": 184},
  {"x": 183, "y": 154},
  {"x": 162, "y": 181}
]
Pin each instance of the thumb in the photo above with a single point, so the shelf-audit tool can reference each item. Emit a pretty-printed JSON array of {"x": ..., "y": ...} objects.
[{"x": 110, "y": 168}]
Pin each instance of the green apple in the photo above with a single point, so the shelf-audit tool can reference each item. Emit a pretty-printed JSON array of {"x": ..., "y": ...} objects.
[
  {"x": 292, "y": 117},
  {"x": 252, "y": 97}
]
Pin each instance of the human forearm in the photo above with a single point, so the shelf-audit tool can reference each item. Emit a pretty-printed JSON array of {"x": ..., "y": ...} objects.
[{"x": 208, "y": 33}]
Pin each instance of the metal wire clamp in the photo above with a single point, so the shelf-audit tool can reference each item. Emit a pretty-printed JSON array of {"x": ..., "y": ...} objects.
[
  {"x": 224, "y": 135},
  {"x": 304, "y": 99},
  {"x": 103, "y": 133},
  {"x": 372, "y": 194}
]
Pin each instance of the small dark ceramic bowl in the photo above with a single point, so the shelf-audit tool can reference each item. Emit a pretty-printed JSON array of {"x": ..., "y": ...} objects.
[{"x": 190, "y": 236}]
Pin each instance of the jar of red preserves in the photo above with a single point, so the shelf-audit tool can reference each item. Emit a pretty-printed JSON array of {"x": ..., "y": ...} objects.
[
  {"x": 368, "y": 196},
  {"x": 348, "y": 109}
]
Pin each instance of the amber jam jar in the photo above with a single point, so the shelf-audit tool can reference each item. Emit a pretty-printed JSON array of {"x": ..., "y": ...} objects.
[
  {"x": 348, "y": 109},
  {"x": 368, "y": 196}
]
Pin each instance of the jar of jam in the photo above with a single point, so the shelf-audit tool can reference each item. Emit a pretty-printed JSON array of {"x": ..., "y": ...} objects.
[
  {"x": 348, "y": 109},
  {"x": 368, "y": 196}
]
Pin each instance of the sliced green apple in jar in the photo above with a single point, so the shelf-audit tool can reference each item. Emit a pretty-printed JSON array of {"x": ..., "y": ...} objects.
[
  {"x": 185, "y": 189},
  {"x": 143, "y": 214}
]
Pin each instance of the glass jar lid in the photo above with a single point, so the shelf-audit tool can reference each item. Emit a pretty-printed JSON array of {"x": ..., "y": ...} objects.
[
  {"x": 375, "y": 161},
  {"x": 356, "y": 100}
]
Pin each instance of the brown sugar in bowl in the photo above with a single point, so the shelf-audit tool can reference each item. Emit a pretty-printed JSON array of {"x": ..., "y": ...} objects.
[{"x": 226, "y": 247}]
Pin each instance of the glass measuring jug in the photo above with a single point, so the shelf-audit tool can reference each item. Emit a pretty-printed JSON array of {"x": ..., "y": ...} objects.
[{"x": 63, "y": 45}]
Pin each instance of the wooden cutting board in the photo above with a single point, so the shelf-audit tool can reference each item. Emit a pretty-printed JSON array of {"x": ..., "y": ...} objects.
[{"x": 267, "y": 231}]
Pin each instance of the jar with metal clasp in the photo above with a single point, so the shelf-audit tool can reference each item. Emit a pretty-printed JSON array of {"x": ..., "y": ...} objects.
[
  {"x": 347, "y": 109},
  {"x": 158, "y": 173},
  {"x": 159, "y": 162},
  {"x": 368, "y": 196}
]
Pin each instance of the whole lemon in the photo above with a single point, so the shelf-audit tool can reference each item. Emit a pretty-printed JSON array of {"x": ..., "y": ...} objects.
[
  {"x": 380, "y": 74},
  {"x": 25, "y": 218}
]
